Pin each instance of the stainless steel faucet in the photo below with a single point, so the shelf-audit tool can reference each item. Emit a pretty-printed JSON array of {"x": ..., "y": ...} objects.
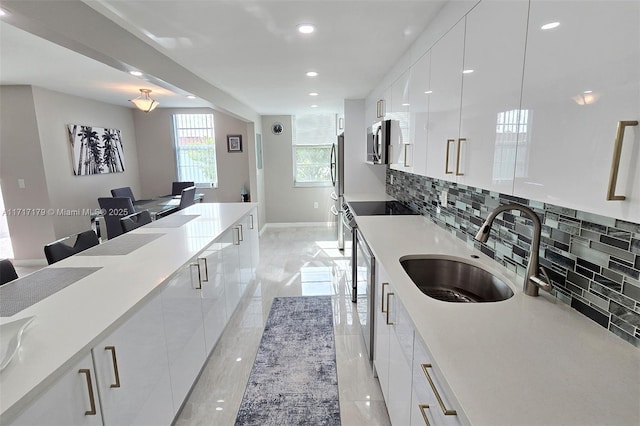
[{"x": 531, "y": 280}]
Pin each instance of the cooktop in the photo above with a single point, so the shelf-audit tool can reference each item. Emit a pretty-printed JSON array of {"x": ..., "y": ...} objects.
[{"x": 375, "y": 208}]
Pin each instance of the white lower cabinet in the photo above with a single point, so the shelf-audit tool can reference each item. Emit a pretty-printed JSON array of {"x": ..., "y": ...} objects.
[
  {"x": 214, "y": 309},
  {"x": 71, "y": 400},
  {"x": 133, "y": 371},
  {"x": 393, "y": 350},
  {"x": 430, "y": 403},
  {"x": 184, "y": 329}
]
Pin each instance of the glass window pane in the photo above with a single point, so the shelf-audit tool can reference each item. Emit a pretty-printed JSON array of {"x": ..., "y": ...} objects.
[{"x": 195, "y": 148}]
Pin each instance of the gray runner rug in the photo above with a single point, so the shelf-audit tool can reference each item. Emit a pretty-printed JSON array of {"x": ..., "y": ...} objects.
[{"x": 294, "y": 379}]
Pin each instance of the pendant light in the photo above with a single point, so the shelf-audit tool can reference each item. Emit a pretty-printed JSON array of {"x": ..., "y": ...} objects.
[{"x": 144, "y": 101}]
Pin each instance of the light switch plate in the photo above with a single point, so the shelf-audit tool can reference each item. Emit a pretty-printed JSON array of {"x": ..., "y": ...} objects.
[{"x": 444, "y": 198}]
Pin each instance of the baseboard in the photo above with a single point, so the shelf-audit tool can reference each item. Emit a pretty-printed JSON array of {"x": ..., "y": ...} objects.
[{"x": 300, "y": 224}]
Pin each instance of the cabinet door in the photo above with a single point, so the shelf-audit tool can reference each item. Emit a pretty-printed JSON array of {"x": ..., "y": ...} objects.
[
  {"x": 491, "y": 88},
  {"x": 399, "y": 113},
  {"x": 183, "y": 324},
  {"x": 419, "y": 93},
  {"x": 400, "y": 358},
  {"x": 69, "y": 401},
  {"x": 214, "y": 309},
  {"x": 230, "y": 242},
  {"x": 254, "y": 238},
  {"x": 244, "y": 253},
  {"x": 444, "y": 103},
  {"x": 581, "y": 78},
  {"x": 382, "y": 331},
  {"x": 425, "y": 405},
  {"x": 133, "y": 371}
]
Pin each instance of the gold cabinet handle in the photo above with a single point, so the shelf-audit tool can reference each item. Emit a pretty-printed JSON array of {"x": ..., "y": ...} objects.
[
  {"x": 446, "y": 159},
  {"x": 92, "y": 399},
  {"x": 206, "y": 269},
  {"x": 116, "y": 374},
  {"x": 382, "y": 301},
  {"x": 389, "y": 295},
  {"x": 197, "y": 265},
  {"x": 615, "y": 162},
  {"x": 423, "y": 408},
  {"x": 251, "y": 225},
  {"x": 460, "y": 140},
  {"x": 445, "y": 410},
  {"x": 406, "y": 148}
]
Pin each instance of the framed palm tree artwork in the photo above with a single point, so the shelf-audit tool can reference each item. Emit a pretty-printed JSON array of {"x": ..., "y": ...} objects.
[{"x": 95, "y": 150}]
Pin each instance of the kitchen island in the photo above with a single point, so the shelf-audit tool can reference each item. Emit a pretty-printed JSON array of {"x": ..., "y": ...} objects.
[
  {"x": 522, "y": 361},
  {"x": 70, "y": 324}
]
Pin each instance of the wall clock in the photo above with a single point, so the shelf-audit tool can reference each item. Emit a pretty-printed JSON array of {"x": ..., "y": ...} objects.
[{"x": 277, "y": 128}]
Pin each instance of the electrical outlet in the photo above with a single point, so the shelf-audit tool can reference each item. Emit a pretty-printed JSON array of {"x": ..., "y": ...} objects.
[
  {"x": 315, "y": 205},
  {"x": 443, "y": 198},
  {"x": 391, "y": 179}
]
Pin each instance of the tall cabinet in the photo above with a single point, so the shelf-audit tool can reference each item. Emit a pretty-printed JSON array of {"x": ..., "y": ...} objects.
[{"x": 582, "y": 78}]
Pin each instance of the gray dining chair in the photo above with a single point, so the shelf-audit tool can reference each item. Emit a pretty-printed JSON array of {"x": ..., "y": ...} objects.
[
  {"x": 62, "y": 248},
  {"x": 113, "y": 209},
  {"x": 177, "y": 187},
  {"x": 7, "y": 271},
  {"x": 135, "y": 220},
  {"x": 187, "y": 197},
  {"x": 123, "y": 192}
]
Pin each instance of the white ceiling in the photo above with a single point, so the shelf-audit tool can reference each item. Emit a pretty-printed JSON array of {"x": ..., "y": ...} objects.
[{"x": 249, "y": 49}]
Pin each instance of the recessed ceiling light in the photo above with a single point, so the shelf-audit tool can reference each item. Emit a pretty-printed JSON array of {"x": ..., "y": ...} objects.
[
  {"x": 550, "y": 26},
  {"x": 428, "y": 92},
  {"x": 313, "y": 94},
  {"x": 467, "y": 71},
  {"x": 312, "y": 74},
  {"x": 314, "y": 106},
  {"x": 405, "y": 104},
  {"x": 136, "y": 73},
  {"x": 306, "y": 28},
  {"x": 191, "y": 96},
  {"x": 587, "y": 91},
  {"x": 3, "y": 12}
]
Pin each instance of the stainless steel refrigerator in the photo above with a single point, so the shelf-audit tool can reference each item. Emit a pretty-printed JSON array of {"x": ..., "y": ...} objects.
[{"x": 337, "y": 178}]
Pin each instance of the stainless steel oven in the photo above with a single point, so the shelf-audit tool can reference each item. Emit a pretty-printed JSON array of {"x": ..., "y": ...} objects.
[{"x": 363, "y": 264}]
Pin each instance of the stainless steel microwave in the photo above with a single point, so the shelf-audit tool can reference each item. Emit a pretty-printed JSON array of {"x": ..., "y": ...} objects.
[{"x": 378, "y": 142}]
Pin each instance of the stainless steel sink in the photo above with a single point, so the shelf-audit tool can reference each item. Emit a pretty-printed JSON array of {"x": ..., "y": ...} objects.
[{"x": 454, "y": 281}]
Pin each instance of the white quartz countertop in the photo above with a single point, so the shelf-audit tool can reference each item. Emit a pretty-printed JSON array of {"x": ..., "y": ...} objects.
[
  {"x": 523, "y": 361},
  {"x": 68, "y": 323}
]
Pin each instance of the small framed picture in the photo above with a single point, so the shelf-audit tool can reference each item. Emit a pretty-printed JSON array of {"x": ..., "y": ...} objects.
[{"x": 234, "y": 143}]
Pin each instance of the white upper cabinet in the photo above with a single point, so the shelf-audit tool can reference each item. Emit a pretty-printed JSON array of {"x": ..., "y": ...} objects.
[
  {"x": 582, "y": 78},
  {"x": 398, "y": 111},
  {"x": 419, "y": 93},
  {"x": 484, "y": 153},
  {"x": 444, "y": 104}
]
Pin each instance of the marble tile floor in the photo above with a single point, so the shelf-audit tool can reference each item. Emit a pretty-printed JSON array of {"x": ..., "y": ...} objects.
[{"x": 294, "y": 261}]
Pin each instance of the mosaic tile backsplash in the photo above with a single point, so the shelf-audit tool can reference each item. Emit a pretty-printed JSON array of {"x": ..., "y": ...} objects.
[{"x": 593, "y": 261}]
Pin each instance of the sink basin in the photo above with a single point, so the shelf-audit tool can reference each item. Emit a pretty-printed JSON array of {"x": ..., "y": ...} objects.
[{"x": 454, "y": 281}]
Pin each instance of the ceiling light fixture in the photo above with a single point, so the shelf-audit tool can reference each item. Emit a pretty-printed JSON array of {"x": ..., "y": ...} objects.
[
  {"x": 312, "y": 74},
  {"x": 144, "y": 101},
  {"x": 3, "y": 12},
  {"x": 135, "y": 73},
  {"x": 313, "y": 94},
  {"x": 306, "y": 28},
  {"x": 314, "y": 106},
  {"x": 550, "y": 26},
  {"x": 191, "y": 96}
]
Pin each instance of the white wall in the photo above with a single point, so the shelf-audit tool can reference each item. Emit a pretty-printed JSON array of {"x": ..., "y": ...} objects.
[
  {"x": 35, "y": 147},
  {"x": 21, "y": 158},
  {"x": 284, "y": 202},
  {"x": 156, "y": 153},
  {"x": 359, "y": 177},
  {"x": 54, "y": 111}
]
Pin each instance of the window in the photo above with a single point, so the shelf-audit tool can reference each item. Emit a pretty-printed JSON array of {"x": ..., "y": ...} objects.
[
  {"x": 313, "y": 137},
  {"x": 195, "y": 148}
]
